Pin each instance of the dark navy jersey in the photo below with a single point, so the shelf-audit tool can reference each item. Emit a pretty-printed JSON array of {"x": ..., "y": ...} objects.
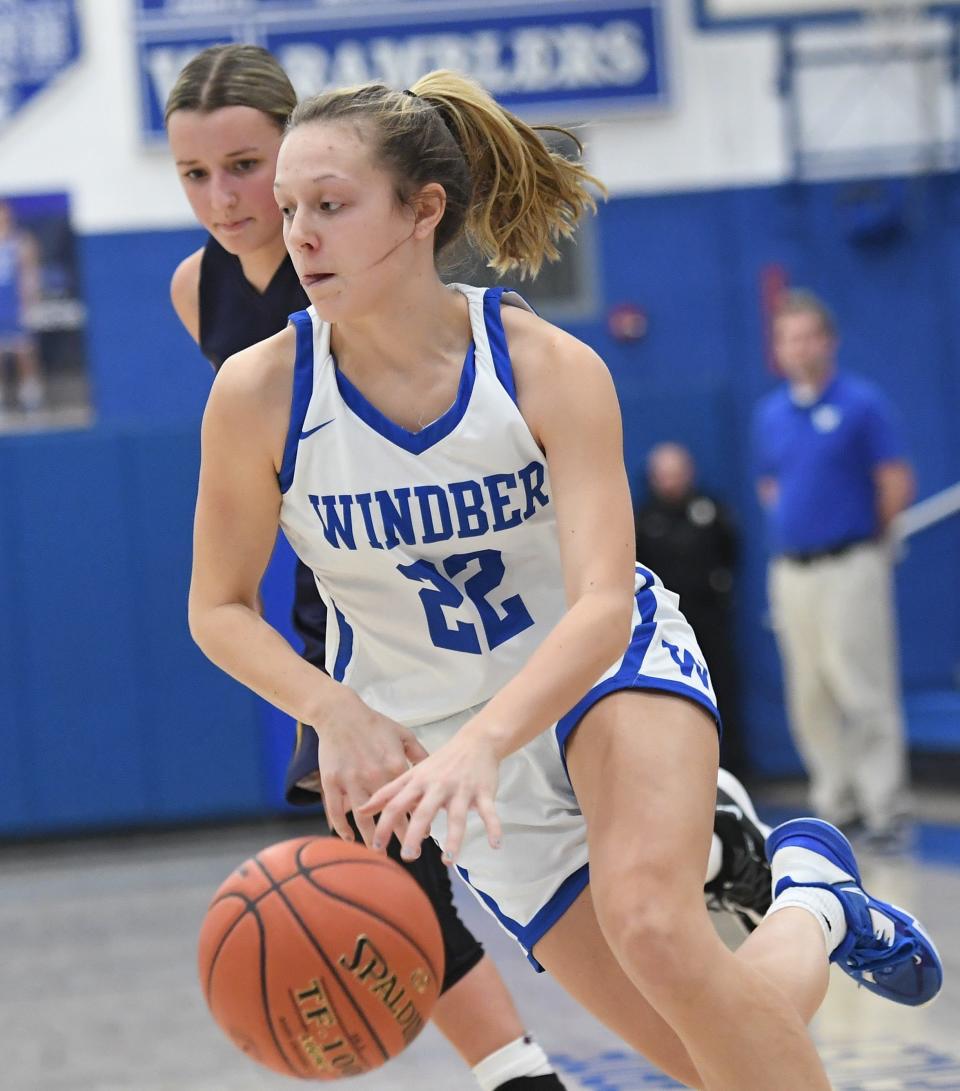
[{"x": 234, "y": 316}]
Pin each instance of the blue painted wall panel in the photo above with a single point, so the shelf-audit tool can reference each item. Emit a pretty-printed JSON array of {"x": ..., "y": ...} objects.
[
  {"x": 75, "y": 638},
  {"x": 201, "y": 729},
  {"x": 144, "y": 366}
]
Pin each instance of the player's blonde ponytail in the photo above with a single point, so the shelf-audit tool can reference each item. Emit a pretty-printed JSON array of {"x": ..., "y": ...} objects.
[{"x": 507, "y": 191}]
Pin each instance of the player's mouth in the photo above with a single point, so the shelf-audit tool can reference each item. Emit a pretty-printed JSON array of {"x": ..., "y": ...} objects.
[
  {"x": 232, "y": 227},
  {"x": 311, "y": 280}
]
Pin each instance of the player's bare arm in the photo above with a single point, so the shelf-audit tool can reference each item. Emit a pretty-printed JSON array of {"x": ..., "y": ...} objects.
[
  {"x": 242, "y": 439},
  {"x": 185, "y": 293},
  {"x": 238, "y": 504},
  {"x": 568, "y": 400}
]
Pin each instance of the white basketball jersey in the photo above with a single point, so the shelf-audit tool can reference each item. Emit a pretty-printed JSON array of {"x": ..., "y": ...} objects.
[{"x": 435, "y": 552}]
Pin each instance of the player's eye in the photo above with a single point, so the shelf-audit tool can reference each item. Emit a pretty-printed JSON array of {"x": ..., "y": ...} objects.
[
  {"x": 244, "y": 166},
  {"x": 194, "y": 174},
  {"x": 331, "y": 206}
]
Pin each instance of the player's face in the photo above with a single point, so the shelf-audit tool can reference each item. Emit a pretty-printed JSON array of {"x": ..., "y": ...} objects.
[
  {"x": 226, "y": 160},
  {"x": 803, "y": 347},
  {"x": 346, "y": 230}
]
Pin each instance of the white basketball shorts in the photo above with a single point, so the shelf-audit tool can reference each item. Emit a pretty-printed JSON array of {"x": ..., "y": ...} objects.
[{"x": 541, "y": 866}]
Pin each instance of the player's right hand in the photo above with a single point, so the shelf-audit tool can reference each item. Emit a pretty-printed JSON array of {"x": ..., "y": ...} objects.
[{"x": 358, "y": 752}]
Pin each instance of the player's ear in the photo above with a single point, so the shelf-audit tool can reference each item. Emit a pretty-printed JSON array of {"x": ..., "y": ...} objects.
[{"x": 429, "y": 204}]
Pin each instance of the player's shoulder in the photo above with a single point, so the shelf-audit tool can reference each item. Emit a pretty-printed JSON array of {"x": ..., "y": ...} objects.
[
  {"x": 185, "y": 292},
  {"x": 258, "y": 380},
  {"x": 540, "y": 349}
]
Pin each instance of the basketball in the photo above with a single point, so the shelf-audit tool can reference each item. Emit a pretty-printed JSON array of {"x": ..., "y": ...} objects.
[{"x": 320, "y": 959}]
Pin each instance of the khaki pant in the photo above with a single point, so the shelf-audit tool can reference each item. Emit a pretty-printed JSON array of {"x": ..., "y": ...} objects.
[{"x": 835, "y": 627}]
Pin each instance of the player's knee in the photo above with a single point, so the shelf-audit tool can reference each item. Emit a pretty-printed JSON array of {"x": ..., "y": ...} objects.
[{"x": 648, "y": 932}]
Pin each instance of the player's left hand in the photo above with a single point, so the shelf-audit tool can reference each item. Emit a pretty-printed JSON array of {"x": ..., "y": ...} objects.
[{"x": 461, "y": 776}]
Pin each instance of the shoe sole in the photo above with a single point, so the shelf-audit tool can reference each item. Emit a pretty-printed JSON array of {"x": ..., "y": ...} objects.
[{"x": 840, "y": 853}]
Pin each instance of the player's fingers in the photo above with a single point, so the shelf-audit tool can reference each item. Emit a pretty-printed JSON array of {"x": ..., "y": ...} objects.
[
  {"x": 419, "y": 828},
  {"x": 456, "y": 828},
  {"x": 412, "y": 746},
  {"x": 382, "y": 796},
  {"x": 335, "y": 808},
  {"x": 365, "y": 824},
  {"x": 491, "y": 820},
  {"x": 386, "y": 824}
]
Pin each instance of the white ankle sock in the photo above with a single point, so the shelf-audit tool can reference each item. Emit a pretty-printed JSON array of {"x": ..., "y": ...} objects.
[
  {"x": 715, "y": 860},
  {"x": 823, "y": 904},
  {"x": 524, "y": 1057}
]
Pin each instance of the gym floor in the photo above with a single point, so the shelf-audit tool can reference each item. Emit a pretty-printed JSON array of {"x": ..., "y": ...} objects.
[{"x": 97, "y": 949}]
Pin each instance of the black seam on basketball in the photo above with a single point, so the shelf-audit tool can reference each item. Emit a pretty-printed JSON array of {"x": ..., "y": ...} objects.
[
  {"x": 306, "y": 873},
  {"x": 264, "y": 996},
  {"x": 320, "y": 951},
  {"x": 226, "y": 935}
]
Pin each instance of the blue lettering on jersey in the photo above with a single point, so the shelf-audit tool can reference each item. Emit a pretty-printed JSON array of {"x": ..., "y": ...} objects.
[
  {"x": 432, "y": 513},
  {"x": 335, "y": 525},
  {"x": 687, "y": 663},
  {"x": 395, "y": 518}
]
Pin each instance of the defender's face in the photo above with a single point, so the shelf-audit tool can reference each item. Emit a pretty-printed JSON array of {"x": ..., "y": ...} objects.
[
  {"x": 803, "y": 347},
  {"x": 227, "y": 160},
  {"x": 345, "y": 228}
]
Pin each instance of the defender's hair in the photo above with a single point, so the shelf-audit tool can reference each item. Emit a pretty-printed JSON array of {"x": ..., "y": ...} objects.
[
  {"x": 803, "y": 301},
  {"x": 233, "y": 75},
  {"x": 510, "y": 194}
]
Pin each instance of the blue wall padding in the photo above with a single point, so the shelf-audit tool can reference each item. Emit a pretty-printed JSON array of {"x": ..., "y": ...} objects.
[{"x": 111, "y": 715}]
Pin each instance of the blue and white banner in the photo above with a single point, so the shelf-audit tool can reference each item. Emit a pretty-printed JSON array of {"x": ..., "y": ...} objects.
[
  {"x": 561, "y": 59},
  {"x": 38, "y": 40}
]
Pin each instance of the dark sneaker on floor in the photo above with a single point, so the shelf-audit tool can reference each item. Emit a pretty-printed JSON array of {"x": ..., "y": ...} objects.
[
  {"x": 889, "y": 840},
  {"x": 743, "y": 885},
  {"x": 885, "y": 949}
]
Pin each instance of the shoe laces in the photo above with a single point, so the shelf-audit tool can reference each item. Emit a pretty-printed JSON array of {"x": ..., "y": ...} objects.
[{"x": 884, "y": 950}]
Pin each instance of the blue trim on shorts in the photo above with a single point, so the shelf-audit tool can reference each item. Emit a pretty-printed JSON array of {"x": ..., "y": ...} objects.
[
  {"x": 302, "y": 392},
  {"x": 529, "y": 935},
  {"x": 629, "y": 675}
]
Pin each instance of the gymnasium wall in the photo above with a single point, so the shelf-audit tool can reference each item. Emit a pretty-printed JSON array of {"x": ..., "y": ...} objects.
[
  {"x": 112, "y": 716},
  {"x": 109, "y": 715},
  {"x": 720, "y": 126}
]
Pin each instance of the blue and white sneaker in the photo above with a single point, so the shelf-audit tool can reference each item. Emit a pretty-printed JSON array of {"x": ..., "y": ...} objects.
[{"x": 885, "y": 949}]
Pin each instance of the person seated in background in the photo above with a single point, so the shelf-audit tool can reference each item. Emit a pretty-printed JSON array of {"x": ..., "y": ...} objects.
[{"x": 690, "y": 541}]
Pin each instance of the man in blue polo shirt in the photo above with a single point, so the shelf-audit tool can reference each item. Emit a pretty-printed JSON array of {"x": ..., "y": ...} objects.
[{"x": 832, "y": 474}]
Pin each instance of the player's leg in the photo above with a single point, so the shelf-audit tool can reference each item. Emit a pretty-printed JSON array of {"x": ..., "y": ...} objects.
[
  {"x": 649, "y": 829},
  {"x": 797, "y": 604},
  {"x": 475, "y": 1011}
]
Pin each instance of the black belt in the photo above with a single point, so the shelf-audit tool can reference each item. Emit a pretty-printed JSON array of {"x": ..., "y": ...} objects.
[{"x": 808, "y": 556}]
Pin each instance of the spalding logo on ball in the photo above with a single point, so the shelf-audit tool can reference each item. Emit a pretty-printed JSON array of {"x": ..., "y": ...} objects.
[{"x": 320, "y": 959}]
